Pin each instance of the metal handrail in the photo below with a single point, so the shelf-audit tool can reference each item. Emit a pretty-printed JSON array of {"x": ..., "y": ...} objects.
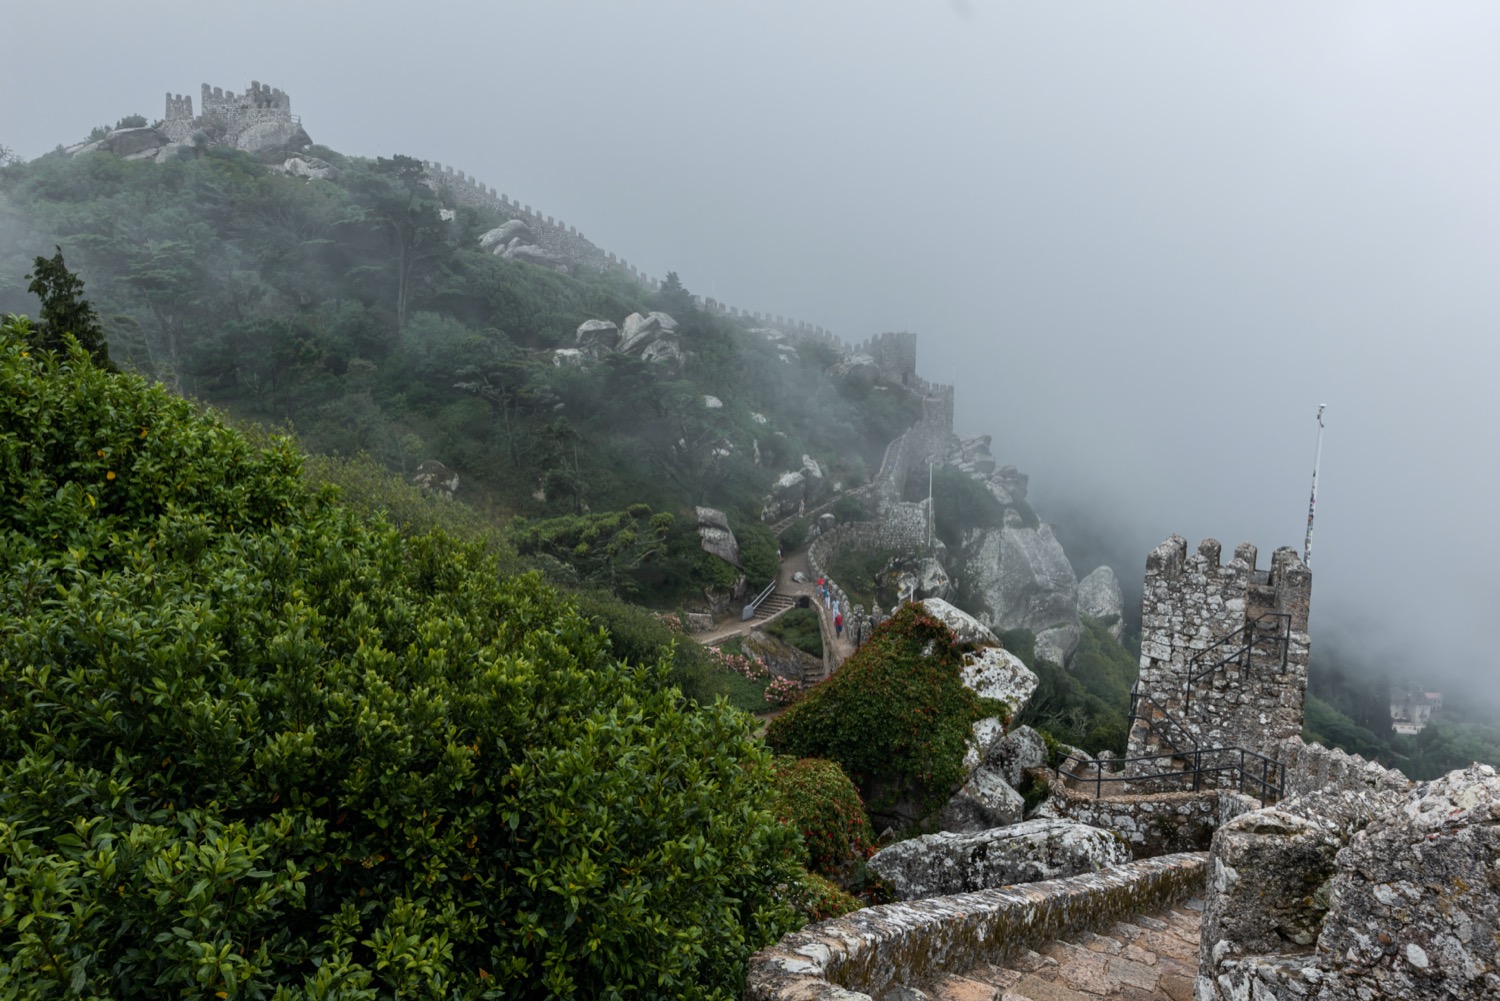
[
  {"x": 1137, "y": 693},
  {"x": 754, "y": 606},
  {"x": 1239, "y": 655},
  {"x": 1242, "y": 766}
]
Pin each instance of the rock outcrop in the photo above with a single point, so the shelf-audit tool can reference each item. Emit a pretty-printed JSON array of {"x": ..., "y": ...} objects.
[
  {"x": 434, "y": 476},
  {"x": 716, "y": 537},
  {"x": 1357, "y": 894},
  {"x": 1024, "y": 579},
  {"x": 937, "y": 865},
  {"x": 1100, "y": 597}
]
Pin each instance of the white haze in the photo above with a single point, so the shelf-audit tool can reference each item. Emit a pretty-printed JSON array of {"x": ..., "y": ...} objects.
[{"x": 1146, "y": 239}]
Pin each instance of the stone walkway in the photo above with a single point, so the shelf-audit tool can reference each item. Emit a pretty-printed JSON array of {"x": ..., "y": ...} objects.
[{"x": 1147, "y": 958}]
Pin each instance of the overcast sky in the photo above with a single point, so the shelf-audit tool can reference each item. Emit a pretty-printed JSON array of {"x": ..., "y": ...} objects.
[{"x": 1146, "y": 239}]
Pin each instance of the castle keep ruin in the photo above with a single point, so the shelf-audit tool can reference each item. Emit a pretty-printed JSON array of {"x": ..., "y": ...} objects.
[
  {"x": 1224, "y": 649},
  {"x": 256, "y": 119}
]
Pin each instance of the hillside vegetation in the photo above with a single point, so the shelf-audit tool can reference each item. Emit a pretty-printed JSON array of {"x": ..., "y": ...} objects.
[
  {"x": 353, "y": 315},
  {"x": 254, "y": 743}
]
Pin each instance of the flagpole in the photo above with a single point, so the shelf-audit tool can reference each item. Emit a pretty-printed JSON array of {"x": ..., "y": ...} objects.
[{"x": 1312, "y": 502}]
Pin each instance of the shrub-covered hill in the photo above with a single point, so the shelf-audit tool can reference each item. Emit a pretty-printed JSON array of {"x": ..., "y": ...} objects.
[
  {"x": 353, "y": 312},
  {"x": 252, "y": 745}
]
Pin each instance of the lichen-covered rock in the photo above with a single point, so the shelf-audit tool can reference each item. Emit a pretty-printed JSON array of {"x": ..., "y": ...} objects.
[
  {"x": 1268, "y": 884},
  {"x": 433, "y": 475},
  {"x": 985, "y": 801},
  {"x": 1025, "y": 581},
  {"x": 1014, "y": 753},
  {"x": 964, "y": 626},
  {"x": 936, "y": 865},
  {"x": 497, "y": 239},
  {"x": 914, "y": 578},
  {"x": 999, "y": 674},
  {"x": 311, "y": 168},
  {"x": 597, "y": 335},
  {"x": 1416, "y": 901},
  {"x": 780, "y": 657},
  {"x": 715, "y": 535},
  {"x": 640, "y": 331},
  {"x": 569, "y": 358},
  {"x": 1100, "y": 597}
]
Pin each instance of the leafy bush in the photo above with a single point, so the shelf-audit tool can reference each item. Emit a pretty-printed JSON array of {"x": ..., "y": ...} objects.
[
  {"x": 816, "y": 799},
  {"x": 852, "y": 507},
  {"x": 251, "y": 744},
  {"x": 896, "y": 711},
  {"x": 798, "y": 627},
  {"x": 758, "y": 553},
  {"x": 819, "y": 899},
  {"x": 794, "y": 536},
  {"x": 1087, "y": 708}
]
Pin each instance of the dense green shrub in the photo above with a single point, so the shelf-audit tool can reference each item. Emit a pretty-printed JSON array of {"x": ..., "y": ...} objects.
[
  {"x": 1087, "y": 704},
  {"x": 758, "y": 555},
  {"x": 253, "y": 744},
  {"x": 896, "y": 712},
  {"x": 794, "y": 536},
  {"x": 816, "y": 799},
  {"x": 819, "y": 899},
  {"x": 800, "y": 628}
]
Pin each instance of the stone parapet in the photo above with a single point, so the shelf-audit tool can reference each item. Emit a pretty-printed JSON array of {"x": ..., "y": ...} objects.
[{"x": 858, "y": 956}]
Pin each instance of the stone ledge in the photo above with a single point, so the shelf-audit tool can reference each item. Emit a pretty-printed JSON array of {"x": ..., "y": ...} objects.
[{"x": 859, "y": 955}]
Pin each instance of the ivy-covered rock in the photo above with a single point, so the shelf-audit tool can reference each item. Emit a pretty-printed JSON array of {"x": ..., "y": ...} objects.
[
  {"x": 252, "y": 745},
  {"x": 816, "y": 799},
  {"x": 896, "y": 716}
]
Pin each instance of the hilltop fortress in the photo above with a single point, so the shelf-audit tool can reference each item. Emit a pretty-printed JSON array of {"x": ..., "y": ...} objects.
[{"x": 258, "y": 118}]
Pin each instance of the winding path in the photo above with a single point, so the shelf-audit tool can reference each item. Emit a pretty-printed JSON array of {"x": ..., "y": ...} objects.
[{"x": 1147, "y": 958}]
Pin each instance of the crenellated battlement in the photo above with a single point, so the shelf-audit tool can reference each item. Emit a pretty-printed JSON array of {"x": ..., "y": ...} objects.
[
  {"x": 1224, "y": 645},
  {"x": 257, "y": 118},
  {"x": 179, "y": 107}
]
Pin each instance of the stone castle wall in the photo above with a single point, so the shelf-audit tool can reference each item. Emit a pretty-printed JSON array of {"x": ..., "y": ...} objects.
[
  {"x": 1190, "y": 605},
  {"x": 257, "y": 117},
  {"x": 861, "y": 955},
  {"x": 558, "y": 237}
]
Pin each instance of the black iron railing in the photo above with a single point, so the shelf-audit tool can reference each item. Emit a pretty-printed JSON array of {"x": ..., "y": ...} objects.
[
  {"x": 1250, "y": 772},
  {"x": 1145, "y": 709},
  {"x": 1273, "y": 628}
]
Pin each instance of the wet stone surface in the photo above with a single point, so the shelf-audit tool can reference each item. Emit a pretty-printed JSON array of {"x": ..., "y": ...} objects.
[{"x": 1151, "y": 956}]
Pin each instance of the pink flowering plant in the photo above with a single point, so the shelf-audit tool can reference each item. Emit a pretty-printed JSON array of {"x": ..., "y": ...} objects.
[
  {"x": 782, "y": 691},
  {"x": 749, "y": 668}
]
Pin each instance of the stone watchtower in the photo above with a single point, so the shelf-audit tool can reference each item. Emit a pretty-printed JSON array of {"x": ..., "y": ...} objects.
[{"x": 1223, "y": 649}]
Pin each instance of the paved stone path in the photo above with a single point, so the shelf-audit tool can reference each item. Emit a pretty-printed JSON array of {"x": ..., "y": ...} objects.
[{"x": 1147, "y": 958}]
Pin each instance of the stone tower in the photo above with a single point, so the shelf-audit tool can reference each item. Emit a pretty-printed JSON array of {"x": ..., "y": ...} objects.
[{"x": 1224, "y": 649}]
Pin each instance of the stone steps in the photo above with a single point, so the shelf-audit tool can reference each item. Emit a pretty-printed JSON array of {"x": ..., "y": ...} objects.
[
  {"x": 1147, "y": 958},
  {"x": 777, "y": 602}
]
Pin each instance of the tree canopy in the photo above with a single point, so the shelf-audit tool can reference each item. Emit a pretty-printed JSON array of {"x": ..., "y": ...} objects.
[{"x": 253, "y": 744}]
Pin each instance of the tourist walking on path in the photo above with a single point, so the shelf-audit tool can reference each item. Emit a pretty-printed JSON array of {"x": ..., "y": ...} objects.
[{"x": 838, "y": 625}]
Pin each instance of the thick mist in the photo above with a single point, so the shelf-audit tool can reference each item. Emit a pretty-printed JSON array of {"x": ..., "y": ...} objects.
[{"x": 1145, "y": 240}]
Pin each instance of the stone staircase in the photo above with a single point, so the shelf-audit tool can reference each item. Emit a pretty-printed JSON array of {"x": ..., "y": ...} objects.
[
  {"x": 777, "y": 603},
  {"x": 1146, "y": 958}
]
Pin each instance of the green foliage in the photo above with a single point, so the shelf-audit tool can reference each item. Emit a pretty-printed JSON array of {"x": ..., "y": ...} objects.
[
  {"x": 820, "y": 899},
  {"x": 131, "y": 122},
  {"x": 64, "y": 310},
  {"x": 603, "y": 550},
  {"x": 253, "y": 744},
  {"x": 1323, "y": 724},
  {"x": 798, "y": 627},
  {"x": 794, "y": 536},
  {"x": 896, "y": 712},
  {"x": 1086, "y": 705},
  {"x": 852, "y": 507},
  {"x": 960, "y": 502},
  {"x": 856, "y": 571},
  {"x": 758, "y": 554},
  {"x": 816, "y": 799}
]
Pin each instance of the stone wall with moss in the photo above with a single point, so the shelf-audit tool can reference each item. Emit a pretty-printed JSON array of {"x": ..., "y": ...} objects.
[{"x": 860, "y": 955}]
